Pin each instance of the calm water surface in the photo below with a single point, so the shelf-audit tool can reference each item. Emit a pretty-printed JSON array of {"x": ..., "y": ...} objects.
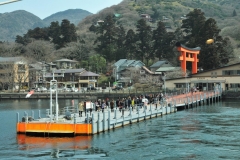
[{"x": 205, "y": 132}]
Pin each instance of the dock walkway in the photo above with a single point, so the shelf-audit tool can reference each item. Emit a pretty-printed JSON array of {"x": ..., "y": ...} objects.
[{"x": 99, "y": 121}]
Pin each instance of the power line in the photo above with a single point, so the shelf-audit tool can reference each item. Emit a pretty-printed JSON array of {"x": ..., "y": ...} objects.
[{"x": 10, "y": 1}]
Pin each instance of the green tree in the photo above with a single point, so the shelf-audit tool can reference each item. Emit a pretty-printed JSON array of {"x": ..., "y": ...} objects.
[
  {"x": 21, "y": 40},
  {"x": 144, "y": 36},
  {"x": 191, "y": 27},
  {"x": 106, "y": 41},
  {"x": 38, "y": 33},
  {"x": 130, "y": 44},
  {"x": 159, "y": 42},
  {"x": 97, "y": 63},
  {"x": 120, "y": 40},
  {"x": 216, "y": 53},
  {"x": 54, "y": 32},
  {"x": 68, "y": 33}
]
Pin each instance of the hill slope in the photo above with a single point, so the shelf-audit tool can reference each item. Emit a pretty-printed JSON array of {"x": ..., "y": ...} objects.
[
  {"x": 171, "y": 12},
  {"x": 17, "y": 23},
  {"x": 73, "y": 15}
]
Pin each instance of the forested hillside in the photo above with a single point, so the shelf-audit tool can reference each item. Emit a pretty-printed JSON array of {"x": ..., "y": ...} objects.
[
  {"x": 172, "y": 13},
  {"x": 126, "y": 31},
  {"x": 73, "y": 15},
  {"x": 19, "y": 22}
]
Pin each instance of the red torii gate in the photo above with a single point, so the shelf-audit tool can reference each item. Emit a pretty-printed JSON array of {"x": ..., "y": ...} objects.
[{"x": 188, "y": 54}]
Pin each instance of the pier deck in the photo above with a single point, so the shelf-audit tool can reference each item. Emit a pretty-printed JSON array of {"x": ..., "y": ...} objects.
[{"x": 99, "y": 121}]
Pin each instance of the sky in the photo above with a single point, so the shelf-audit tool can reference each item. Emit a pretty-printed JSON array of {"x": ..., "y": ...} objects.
[{"x": 45, "y": 8}]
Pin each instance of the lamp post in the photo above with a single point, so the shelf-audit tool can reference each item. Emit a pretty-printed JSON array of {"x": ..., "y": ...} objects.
[
  {"x": 43, "y": 72},
  {"x": 187, "y": 85},
  {"x": 164, "y": 79},
  {"x": 53, "y": 83},
  {"x": 115, "y": 73}
]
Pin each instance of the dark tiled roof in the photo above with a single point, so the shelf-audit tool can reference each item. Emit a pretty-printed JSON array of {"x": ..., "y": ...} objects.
[
  {"x": 11, "y": 59},
  {"x": 120, "y": 62},
  {"x": 157, "y": 64},
  {"x": 70, "y": 70},
  {"x": 66, "y": 60},
  {"x": 87, "y": 74}
]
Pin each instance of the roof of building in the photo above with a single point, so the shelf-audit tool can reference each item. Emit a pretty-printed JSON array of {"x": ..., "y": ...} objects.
[
  {"x": 119, "y": 62},
  {"x": 124, "y": 63},
  {"x": 127, "y": 63},
  {"x": 87, "y": 74},
  {"x": 165, "y": 69},
  {"x": 66, "y": 60},
  {"x": 217, "y": 68},
  {"x": 69, "y": 70},
  {"x": 11, "y": 59},
  {"x": 159, "y": 63}
]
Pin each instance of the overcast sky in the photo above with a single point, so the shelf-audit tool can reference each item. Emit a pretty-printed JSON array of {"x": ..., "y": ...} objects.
[{"x": 44, "y": 8}]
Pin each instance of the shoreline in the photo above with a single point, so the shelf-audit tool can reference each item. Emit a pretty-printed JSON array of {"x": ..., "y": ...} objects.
[{"x": 94, "y": 95}]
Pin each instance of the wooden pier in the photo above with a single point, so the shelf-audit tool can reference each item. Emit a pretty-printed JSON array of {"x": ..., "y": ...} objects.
[{"x": 98, "y": 122}]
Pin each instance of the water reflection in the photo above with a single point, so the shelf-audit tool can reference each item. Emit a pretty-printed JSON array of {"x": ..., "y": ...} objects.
[
  {"x": 28, "y": 142},
  {"x": 56, "y": 147}
]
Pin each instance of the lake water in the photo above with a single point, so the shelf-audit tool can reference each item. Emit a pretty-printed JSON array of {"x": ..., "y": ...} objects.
[{"x": 206, "y": 132}]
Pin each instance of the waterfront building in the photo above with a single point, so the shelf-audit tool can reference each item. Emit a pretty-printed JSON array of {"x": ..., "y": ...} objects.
[{"x": 226, "y": 77}]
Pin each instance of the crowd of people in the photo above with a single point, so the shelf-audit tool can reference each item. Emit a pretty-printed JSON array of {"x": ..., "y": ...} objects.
[{"x": 120, "y": 103}]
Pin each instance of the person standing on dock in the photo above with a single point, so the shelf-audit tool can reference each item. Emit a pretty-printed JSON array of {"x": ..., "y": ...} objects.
[
  {"x": 96, "y": 105},
  {"x": 155, "y": 101},
  {"x": 121, "y": 104},
  {"x": 103, "y": 105},
  {"x": 112, "y": 105},
  {"x": 91, "y": 108},
  {"x": 133, "y": 103},
  {"x": 161, "y": 97},
  {"x": 99, "y": 105},
  {"x": 129, "y": 102},
  {"x": 118, "y": 102},
  {"x": 80, "y": 107},
  {"x": 85, "y": 108},
  {"x": 145, "y": 102}
]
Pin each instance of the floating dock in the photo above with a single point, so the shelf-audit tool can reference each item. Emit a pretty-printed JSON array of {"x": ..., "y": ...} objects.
[{"x": 70, "y": 124}]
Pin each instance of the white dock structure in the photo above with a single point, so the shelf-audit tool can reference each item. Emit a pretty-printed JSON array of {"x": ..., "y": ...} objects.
[{"x": 101, "y": 121}]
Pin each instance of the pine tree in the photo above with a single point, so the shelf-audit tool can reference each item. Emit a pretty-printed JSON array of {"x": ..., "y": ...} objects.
[
  {"x": 130, "y": 44},
  {"x": 159, "y": 40},
  {"x": 106, "y": 41},
  {"x": 120, "y": 40},
  {"x": 54, "y": 33},
  {"x": 144, "y": 35},
  {"x": 68, "y": 32},
  {"x": 192, "y": 26}
]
